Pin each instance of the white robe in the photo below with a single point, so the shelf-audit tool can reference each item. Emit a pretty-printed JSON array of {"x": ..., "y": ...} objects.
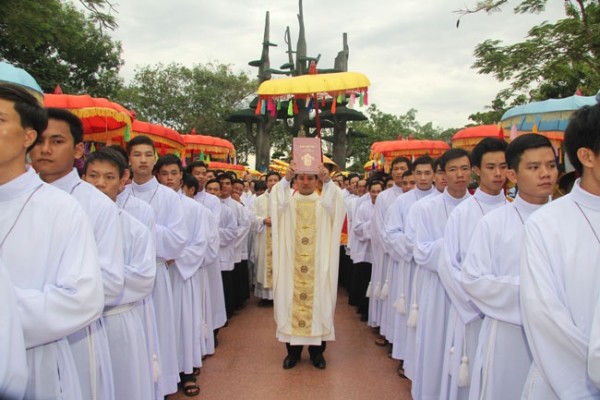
[
  {"x": 361, "y": 228},
  {"x": 352, "y": 240},
  {"x": 57, "y": 281},
  {"x": 594, "y": 348},
  {"x": 330, "y": 213},
  {"x": 144, "y": 213},
  {"x": 412, "y": 303},
  {"x": 559, "y": 289},
  {"x": 187, "y": 296},
  {"x": 433, "y": 302},
  {"x": 464, "y": 318},
  {"x": 228, "y": 234},
  {"x": 130, "y": 359},
  {"x": 13, "y": 363},
  {"x": 490, "y": 277},
  {"x": 380, "y": 258},
  {"x": 211, "y": 284},
  {"x": 401, "y": 253},
  {"x": 243, "y": 222},
  {"x": 104, "y": 216},
  {"x": 261, "y": 211},
  {"x": 209, "y": 201},
  {"x": 171, "y": 236}
]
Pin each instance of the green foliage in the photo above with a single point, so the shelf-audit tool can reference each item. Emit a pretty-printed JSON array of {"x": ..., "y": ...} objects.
[
  {"x": 183, "y": 98},
  {"x": 383, "y": 126},
  {"x": 554, "y": 61},
  {"x": 58, "y": 44}
]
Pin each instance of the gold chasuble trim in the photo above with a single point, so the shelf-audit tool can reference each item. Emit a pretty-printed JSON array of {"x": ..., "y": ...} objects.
[
  {"x": 304, "y": 268},
  {"x": 269, "y": 258}
]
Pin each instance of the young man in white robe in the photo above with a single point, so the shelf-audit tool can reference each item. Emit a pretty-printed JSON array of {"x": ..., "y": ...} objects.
[
  {"x": 263, "y": 243},
  {"x": 414, "y": 285},
  {"x": 199, "y": 170},
  {"x": 464, "y": 318},
  {"x": 362, "y": 254},
  {"x": 58, "y": 282},
  {"x": 401, "y": 252},
  {"x": 242, "y": 269},
  {"x": 53, "y": 157},
  {"x": 211, "y": 285},
  {"x": 490, "y": 273},
  {"x": 307, "y": 229},
  {"x": 125, "y": 328},
  {"x": 232, "y": 281},
  {"x": 171, "y": 237},
  {"x": 560, "y": 275},
  {"x": 356, "y": 291},
  {"x": 428, "y": 247},
  {"x": 185, "y": 277},
  {"x": 378, "y": 289}
]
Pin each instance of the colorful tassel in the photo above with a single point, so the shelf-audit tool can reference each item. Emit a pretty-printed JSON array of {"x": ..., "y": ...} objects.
[
  {"x": 333, "y": 107},
  {"x": 278, "y": 105},
  {"x": 295, "y": 105},
  {"x": 127, "y": 135},
  {"x": 366, "y": 100},
  {"x": 361, "y": 99},
  {"x": 258, "y": 107},
  {"x": 323, "y": 101},
  {"x": 263, "y": 108},
  {"x": 309, "y": 106},
  {"x": 352, "y": 100},
  {"x": 93, "y": 148},
  {"x": 290, "y": 110}
]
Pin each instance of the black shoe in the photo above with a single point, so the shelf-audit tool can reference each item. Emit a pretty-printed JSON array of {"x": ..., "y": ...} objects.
[
  {"x": 318, "y": 361},
  {"x": 289, "y": 362}
]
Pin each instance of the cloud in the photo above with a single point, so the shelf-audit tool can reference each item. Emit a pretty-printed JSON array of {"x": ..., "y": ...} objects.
[{"x": 411, "y": 50}]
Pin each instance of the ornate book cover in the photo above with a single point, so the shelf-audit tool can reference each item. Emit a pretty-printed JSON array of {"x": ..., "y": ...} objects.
[{"x": 307, "y": 154}]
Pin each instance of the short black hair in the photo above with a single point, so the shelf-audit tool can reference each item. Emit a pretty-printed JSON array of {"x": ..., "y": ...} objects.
[
  {"x": 423, "y": 160},
  {"x": 399, "y": 160},
  {"x": 406, "y": 173},
  {"x": 190, "y": 181},
  {"x": 583, "y": 131},
  {"x": 238, "y": 181},
  {"x": 353, "y": 175},
  {"x": 271, "y": 173},
  {"x": 452, "y": 154},
  {"x": 517, "y": 147},
  {"x": 260, "y": 186},
  {"x": 168, "y": 159},
  {"x": 225, "y": 176},
  {"x": 214, "y": 180},
  {"x": 370, "y": 183},
  {"x": 75, "y": 125},
  {"x": 190, "y": 168},
  {"x": 31, "y": 113},
  {"x": 109, "y": 155},
  {"x": 487, "y": 145},
  {"x": 141, "y": 139},
  {"x": 437, "y": 163},
  {"x": 121, "y": 151}
]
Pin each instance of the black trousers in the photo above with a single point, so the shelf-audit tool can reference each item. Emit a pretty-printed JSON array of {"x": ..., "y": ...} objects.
[
  {"x": 296, "y": 351},
  {"x": 229, "y": 292}
]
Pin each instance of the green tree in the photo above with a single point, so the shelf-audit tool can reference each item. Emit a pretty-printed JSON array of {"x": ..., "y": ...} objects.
[
  {"x": 59, "y": 44},
  {"x": 199, "y": 98},
  {"x": 383, "y": 126},
  {"x": 554, "y": 61}
]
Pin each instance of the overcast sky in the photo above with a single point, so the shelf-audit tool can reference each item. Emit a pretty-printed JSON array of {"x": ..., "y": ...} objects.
[{"x": 411, "y": 50}]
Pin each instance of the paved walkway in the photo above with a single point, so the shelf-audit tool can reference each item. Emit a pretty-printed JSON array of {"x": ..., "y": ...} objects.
[{"x": 248, "y": 363}]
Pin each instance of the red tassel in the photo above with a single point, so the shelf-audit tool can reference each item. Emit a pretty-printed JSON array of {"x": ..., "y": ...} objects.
[
  {"x": 366, "y": 98},
  {"x": 258, "y": 107},
  {"x": 323, "y": 102},
  {"x": 295, "y": 106},
  {"x": 333, "y": 106}
]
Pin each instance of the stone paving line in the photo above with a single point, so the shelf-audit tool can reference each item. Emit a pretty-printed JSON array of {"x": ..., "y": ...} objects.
[{"x": 248, "y": 363}]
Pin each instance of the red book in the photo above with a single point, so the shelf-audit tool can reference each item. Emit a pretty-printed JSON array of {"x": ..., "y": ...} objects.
[{"x": 307, "y": 155}]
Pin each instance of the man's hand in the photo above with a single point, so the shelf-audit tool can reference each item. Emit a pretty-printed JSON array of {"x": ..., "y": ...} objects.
[
  {"x": 291, "y": 171},
  {"x": 236, "y": 197},
  {"x": 324, "y": 174}
]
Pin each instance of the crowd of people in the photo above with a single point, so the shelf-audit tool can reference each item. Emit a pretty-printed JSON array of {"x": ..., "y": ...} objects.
[{"x": 116, "y": 279}]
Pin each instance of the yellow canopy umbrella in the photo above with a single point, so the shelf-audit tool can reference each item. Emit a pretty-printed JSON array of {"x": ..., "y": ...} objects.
[{"x": 309, "y": 85}]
